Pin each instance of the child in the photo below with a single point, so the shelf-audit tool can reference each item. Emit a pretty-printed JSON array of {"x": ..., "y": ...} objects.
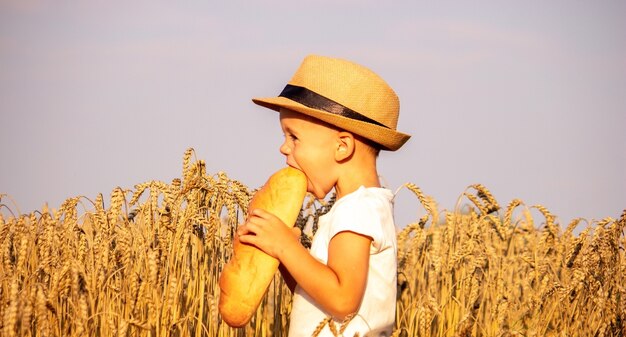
[{"x": 336, "y": 116}]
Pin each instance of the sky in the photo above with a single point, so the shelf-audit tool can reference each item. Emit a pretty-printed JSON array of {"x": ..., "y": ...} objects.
[{"x": 527, "y": 98}]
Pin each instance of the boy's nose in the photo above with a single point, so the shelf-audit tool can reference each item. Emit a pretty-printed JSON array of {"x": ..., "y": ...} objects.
[{"x": 284, "y": 149}]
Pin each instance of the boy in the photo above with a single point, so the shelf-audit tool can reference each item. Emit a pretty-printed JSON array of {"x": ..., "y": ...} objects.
[{"x": 336, "y": 116}]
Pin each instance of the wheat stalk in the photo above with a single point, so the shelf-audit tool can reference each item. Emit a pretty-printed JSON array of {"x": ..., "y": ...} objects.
[{"x": 153, "y": 270}]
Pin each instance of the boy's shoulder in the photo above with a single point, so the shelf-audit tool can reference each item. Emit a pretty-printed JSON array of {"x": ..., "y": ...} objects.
[{"x": 365, "y": 197}]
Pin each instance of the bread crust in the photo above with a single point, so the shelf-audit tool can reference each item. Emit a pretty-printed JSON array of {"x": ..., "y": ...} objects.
[{"x": 248, "y": 274}]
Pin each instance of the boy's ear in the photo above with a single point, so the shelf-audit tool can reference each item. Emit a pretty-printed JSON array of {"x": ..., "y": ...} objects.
[{"x": 345, "y": 146}]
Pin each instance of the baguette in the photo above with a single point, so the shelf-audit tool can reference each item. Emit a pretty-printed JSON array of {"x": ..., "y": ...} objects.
[{"x": 248, "y": 274}]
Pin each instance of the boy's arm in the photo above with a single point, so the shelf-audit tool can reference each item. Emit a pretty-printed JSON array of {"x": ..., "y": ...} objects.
[
  {"x": 289, "y": 281},
  {"x": 338, "y": 286}
]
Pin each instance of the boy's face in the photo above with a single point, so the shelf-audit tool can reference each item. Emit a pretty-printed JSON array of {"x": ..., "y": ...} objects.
[{"x": 310, "y": 147}]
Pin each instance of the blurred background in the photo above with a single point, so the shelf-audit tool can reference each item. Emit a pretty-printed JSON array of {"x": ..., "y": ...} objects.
[{"x": 527, "y": 98}]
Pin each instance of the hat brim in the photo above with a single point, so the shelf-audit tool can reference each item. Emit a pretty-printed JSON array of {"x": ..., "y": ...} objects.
[{"x": 388, "y": 139}]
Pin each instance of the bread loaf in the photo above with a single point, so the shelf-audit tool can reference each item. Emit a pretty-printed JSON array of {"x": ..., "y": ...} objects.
[{"x": 250, "y": 271}]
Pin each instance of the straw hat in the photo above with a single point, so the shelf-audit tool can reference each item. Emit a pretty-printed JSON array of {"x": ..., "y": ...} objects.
[{"x": 346, "y": 95}]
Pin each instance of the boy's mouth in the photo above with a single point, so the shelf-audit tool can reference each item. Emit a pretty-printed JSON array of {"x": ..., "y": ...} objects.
[
  {"x": 288, "y": 163},
  {"x": 293, "y": 166}
]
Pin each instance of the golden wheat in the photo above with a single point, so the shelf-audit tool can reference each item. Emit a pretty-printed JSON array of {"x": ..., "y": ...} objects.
[{"x": 149, "y": 264}]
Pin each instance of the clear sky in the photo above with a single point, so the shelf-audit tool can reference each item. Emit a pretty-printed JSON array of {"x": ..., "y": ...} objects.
[{"x": 525, "y": 97}]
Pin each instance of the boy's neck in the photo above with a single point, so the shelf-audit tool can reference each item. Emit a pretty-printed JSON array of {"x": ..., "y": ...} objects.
[{"x": 356, "y": 173}]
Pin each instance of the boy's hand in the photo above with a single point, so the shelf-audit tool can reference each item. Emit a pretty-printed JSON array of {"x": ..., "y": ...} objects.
[{"x": 268, "y": 233}]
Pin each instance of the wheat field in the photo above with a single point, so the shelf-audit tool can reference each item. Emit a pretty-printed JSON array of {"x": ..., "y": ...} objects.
[{"x": 148, "y": 264}]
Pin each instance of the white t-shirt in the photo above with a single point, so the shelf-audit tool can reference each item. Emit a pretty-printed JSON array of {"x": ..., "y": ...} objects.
[{"x": 367, "y": 211}]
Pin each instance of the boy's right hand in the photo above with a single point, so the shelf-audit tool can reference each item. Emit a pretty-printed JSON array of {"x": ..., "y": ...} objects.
[{"x": 267, "y": 232}]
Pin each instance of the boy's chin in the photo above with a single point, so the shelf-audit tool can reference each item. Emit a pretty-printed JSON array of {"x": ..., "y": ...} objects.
[{"x": 320, "y": 195}]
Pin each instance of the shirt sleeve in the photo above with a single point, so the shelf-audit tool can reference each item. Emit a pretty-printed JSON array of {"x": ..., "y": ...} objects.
[{"x": 362, "y": 215}]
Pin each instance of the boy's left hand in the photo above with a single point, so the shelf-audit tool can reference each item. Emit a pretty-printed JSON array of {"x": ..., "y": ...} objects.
[{"x": 267, "y": 232}]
